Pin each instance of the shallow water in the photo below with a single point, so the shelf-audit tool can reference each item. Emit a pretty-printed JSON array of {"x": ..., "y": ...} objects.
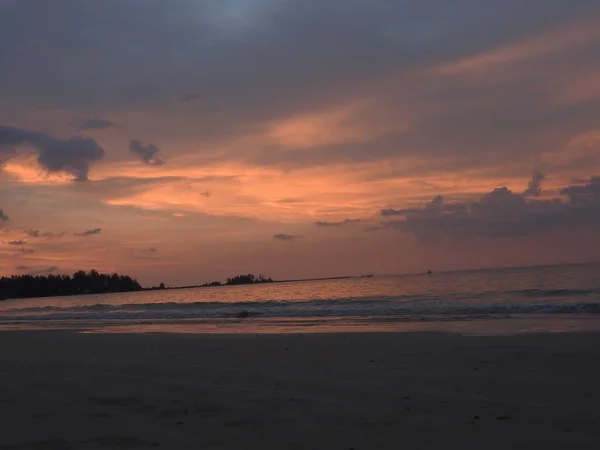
[{"x": 381, "y": 302}]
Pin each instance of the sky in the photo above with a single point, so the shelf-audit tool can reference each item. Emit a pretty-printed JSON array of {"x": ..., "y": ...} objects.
[{"x": 185, "y": 141}]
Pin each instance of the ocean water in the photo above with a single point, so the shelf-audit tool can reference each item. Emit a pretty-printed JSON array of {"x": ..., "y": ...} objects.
[{"x": 566, "y": 292}]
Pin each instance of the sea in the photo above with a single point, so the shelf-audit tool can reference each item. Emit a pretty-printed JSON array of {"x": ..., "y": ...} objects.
[{"x": 557, "y": 298}]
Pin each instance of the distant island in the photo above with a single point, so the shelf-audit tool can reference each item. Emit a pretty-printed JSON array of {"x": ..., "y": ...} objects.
[
  {"x": 92, "y": 282},
  {"x": 249, "y": 278},
  {"x": 242, "y": 279}
]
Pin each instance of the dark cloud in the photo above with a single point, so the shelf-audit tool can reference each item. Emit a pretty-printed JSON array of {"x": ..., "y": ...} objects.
[
  {"x": 91, "y": 232},
  {"x": 27, "y": 251},
  {"x": 150, "y": 250},
  {"x": 33, "y": 233},
  {"x": 534, "y": 188},
  {"x": 434, "y": 205},
  {"x": 406, "y": 211},
  {"x": 37, "y": 233},
  {"x": 96, "y": 124},
  {"x": 502, "y": 213},
  {"x": 284, "y": 237},
  {"x": 584, "y": 196},
  {"x": 19, "y": 242},
  {"x": 147, "y": 153},
  {"x": 398, "y": 212},
  {"x": 336, "y": 224},
  {"x": 73, "y": 156},
  {"x": 21, "y": 268},
  {"x": 3, "y": 217}
]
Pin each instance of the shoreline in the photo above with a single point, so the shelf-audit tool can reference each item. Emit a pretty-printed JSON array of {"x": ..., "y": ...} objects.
[
  {"x": 176, "y": 288},
  {"x": 66, "y": 390},
  {"x": 466, "y": 326},
  {"x": 300, "y": 280}
]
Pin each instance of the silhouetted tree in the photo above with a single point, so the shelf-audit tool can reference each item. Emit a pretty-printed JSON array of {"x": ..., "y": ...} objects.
[
  {"x": 23, "y": 286},
  {"x": 248, "y": 279}
]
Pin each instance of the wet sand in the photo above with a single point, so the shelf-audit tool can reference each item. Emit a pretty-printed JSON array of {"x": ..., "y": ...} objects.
[{"x": 63, "y": 390}]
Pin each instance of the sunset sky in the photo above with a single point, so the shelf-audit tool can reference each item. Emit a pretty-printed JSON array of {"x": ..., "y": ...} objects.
[{"x": 188, "y": 140}]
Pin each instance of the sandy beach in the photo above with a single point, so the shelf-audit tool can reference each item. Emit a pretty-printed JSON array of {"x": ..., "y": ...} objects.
[{"x": 63, "y": 390}]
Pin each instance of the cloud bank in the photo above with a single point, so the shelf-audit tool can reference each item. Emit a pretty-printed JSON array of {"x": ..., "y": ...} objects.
[{"x": 503, "y": 213}]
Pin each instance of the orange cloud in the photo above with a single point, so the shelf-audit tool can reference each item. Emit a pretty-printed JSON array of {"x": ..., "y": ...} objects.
[
  {"x": 349, "y": 123},
  {"x": 333, "y": 193},
  {"x": 553, "y": 42}
]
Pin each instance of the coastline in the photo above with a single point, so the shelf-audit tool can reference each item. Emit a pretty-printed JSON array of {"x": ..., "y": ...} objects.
[
  {"x": 466, "y": 325},
  {"x": 67, "y": 390},
  {"x": 224, "y": 284}
]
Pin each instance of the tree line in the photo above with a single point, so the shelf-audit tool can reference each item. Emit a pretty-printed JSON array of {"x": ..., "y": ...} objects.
[
  {"x": 92, "y": 282},
  {"x": 249, "y": 278}
]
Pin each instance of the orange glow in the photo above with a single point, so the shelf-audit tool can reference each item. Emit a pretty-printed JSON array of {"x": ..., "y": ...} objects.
[
  {"x": 239, "y": 171},
  {"x": 27, "y": 170}
]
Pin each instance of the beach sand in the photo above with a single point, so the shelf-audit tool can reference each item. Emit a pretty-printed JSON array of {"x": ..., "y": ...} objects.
[{"x": 63, "y": 390}]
